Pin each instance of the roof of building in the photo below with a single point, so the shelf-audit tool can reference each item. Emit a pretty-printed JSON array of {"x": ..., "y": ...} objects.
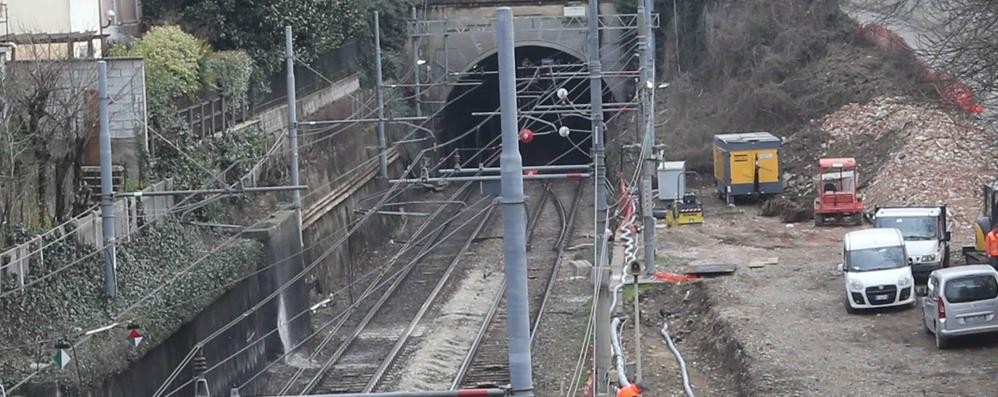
[
  {"x": 672, "y": 165},
  {"x": 909, "y": 211},
  {"x": 747, "y": 137},
  {"x": 873, "y": 238},
  {"x": 841, "y": 162}
]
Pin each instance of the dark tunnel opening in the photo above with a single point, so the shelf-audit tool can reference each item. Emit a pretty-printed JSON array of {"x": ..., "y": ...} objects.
[{"x": 541, "y": 72}]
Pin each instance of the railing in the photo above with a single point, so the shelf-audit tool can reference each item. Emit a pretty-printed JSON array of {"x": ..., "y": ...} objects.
[
  {"x": 212, "y": 116},
  {"x": 129, "y": 214}
]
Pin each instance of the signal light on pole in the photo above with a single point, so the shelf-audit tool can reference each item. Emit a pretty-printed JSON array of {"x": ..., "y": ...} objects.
[
  {"x": 526, "y": 135},
  {"x": 62, "y": 357},
  {"x": 134, "y": 336},
  {"x": 564, "y": 131}
]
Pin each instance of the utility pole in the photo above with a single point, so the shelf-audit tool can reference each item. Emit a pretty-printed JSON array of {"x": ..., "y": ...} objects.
[
  {"x": 106, "y": 186},
  {"x": 514, "y": 215},
  {"x": 647, "y": 147},
  {"x": 293, "y": 125},
  {"x": 382, "y": 145},
  {"x": 637, "y": 328},
  {"x": 416, "y": 65},
  {"x": 601, "y": 266}
]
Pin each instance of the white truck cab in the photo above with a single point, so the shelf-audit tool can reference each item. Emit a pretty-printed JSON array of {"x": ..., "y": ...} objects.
[
  {"x": 925, "y": 236},
  {"x": 876, "y": 269}
]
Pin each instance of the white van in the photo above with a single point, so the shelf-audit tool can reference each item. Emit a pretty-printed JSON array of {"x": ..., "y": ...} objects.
[{"x": 877, "y": 270}]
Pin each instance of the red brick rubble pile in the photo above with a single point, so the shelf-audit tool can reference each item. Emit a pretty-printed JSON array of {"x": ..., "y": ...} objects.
[{"x": 934, "y": 157}]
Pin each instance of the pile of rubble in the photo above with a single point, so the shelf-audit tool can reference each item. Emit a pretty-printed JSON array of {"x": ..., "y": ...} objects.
[{"x": 916, "y": 154}]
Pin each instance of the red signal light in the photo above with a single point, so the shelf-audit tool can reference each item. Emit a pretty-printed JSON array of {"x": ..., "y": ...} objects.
[{"x": 526, "y": 135}]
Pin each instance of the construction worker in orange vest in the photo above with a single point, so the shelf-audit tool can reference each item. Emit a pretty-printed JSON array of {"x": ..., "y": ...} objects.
[
  {"x": 991, "y": 245},
  {"x": 634, "y": 390}
]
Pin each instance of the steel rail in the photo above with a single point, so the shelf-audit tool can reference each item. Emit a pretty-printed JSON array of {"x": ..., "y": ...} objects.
[
  {"x": 566, "y": 233},
  {"x": 490, "y": 317},
  {"x": 346, "y": 344},
  {"x": 397, "y": 348},
  {"x": 434, "y": 234},
  {"x": 493, "y": 310}
]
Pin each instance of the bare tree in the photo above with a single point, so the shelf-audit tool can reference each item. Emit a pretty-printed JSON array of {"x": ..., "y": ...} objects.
[
  {"x": 49, "y": 119},
  {"x": 960, "y": 37}
]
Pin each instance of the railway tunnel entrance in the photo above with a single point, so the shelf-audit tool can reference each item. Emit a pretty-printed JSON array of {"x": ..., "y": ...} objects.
[{"x": 558, "y": 122}]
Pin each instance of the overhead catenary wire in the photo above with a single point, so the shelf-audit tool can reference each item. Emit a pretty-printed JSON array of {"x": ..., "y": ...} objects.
[
  {"x": 308, "y": 268},
  {"x": 74, "y": 263},
  {"x": 452, "y": 140},
  {"x": 455, "y": 139},
  {"x": 307, "y": 310},
  {"x": 133, "y": 305}
]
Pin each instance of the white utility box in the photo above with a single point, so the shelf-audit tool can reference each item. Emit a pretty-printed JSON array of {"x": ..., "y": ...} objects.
[{"x": 671, "y": 180}]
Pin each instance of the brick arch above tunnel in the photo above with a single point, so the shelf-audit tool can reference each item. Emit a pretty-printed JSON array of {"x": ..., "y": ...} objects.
[
  {"x": 468, "y": 129},
  {"x": 455, "y": 39},
  {"x": 578, "y": 54}
]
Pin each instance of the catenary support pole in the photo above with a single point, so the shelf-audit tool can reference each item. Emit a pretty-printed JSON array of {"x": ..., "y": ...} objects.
[
  {"x": 416, "y": 66},
  {"x": 650, "y": 162},
  {"x": 637, "y": 331},
  {"x": 514, "y": 215},
  {"x": 293, "y": 124},
  {"x": 106, "y": 186},
  {"x": 382, "y": 144},
  {"x": 602, "y": 271}
]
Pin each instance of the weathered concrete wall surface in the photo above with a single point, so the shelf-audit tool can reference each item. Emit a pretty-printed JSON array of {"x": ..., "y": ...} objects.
[
  {"x": 328, "y": 164},
  {"x": 460, "y": 52},
  {"x": 281, "y": 240}
]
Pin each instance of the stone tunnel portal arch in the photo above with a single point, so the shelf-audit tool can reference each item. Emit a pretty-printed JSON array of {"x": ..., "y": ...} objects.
[{"x": 541, "y": 71}]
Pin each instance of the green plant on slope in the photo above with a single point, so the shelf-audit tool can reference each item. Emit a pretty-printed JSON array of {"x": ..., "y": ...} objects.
[{"x": 173, "y": 66}]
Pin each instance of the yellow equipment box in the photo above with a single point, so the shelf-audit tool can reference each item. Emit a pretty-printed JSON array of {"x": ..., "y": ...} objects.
[{"x": 747, "y": 164}]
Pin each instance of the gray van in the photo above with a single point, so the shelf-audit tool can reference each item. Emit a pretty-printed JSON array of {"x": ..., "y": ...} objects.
[{"x": 961, "y": 301}]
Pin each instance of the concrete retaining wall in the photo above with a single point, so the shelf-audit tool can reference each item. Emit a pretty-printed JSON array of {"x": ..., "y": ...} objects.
[{"x": 281, "y": 240}]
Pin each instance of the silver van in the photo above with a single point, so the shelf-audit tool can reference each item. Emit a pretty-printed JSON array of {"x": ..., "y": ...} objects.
[{"x": 961, "y": 301}]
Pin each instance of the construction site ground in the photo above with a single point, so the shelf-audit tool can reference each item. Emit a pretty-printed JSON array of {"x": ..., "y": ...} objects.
[{"x": 782, "y": 329}]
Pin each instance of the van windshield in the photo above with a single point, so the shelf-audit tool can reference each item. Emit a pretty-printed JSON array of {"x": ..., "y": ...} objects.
[
  {"x": 971, "y": 288},
  {"x": 871, "y": 259},
  {"x": 912, "y": 228}
]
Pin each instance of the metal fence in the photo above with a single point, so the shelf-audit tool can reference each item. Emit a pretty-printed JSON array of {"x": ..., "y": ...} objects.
[
  {"x": 212, "y": 116},
  {"x": 129, "y": 214}
]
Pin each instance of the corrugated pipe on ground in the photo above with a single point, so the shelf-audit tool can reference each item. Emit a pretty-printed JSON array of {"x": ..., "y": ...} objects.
[
  {"x": 679, "y": 358},
  {"x": 630, "y": 254}
]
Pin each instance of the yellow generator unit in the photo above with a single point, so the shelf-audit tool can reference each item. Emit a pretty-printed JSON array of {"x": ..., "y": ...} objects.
[
  {"x": 687, "y": 211},
  {"x": 747, "y": 165}
]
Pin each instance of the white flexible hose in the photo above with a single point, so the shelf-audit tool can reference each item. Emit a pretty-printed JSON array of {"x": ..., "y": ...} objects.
[
  {"x": 616, "y": 324},
  {"x": 630, "y": 255},
  {"x": 679, "y": 359}
]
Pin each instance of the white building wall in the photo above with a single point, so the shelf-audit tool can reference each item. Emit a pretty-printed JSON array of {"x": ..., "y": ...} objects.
[
  {"x": 39, "y": 16},
  {"x": 84, "y": 15}
]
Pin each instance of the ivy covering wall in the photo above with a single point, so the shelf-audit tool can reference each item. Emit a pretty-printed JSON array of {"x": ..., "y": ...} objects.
[{"x": 73, "y": 301}]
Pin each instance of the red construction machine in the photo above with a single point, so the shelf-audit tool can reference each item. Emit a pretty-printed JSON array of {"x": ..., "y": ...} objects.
[{"x": 838, "y": 201}]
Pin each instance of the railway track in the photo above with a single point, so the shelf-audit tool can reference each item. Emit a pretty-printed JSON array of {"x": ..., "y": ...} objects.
[
  {"x": 487, "y": 363},
  {"x": 373, "y": 327}
]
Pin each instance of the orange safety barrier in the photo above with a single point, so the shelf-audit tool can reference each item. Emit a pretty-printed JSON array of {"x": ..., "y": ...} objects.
[
  {"x": 948, "y": 87},
  {"x": 676, "y": 278}
]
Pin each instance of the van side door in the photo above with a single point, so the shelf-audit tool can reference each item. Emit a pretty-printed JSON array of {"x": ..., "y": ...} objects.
[{"x": 929, "y": 309}]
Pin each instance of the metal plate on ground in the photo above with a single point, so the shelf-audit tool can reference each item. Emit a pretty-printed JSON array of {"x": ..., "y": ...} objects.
[
  {"x": 763, "y": 262},
  {"x": 708, "y": 269}
]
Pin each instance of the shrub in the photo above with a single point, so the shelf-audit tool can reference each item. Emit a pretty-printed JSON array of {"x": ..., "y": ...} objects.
[
  {"x": 228, "y": 73},
  {"x": 173, "y": 65}
]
